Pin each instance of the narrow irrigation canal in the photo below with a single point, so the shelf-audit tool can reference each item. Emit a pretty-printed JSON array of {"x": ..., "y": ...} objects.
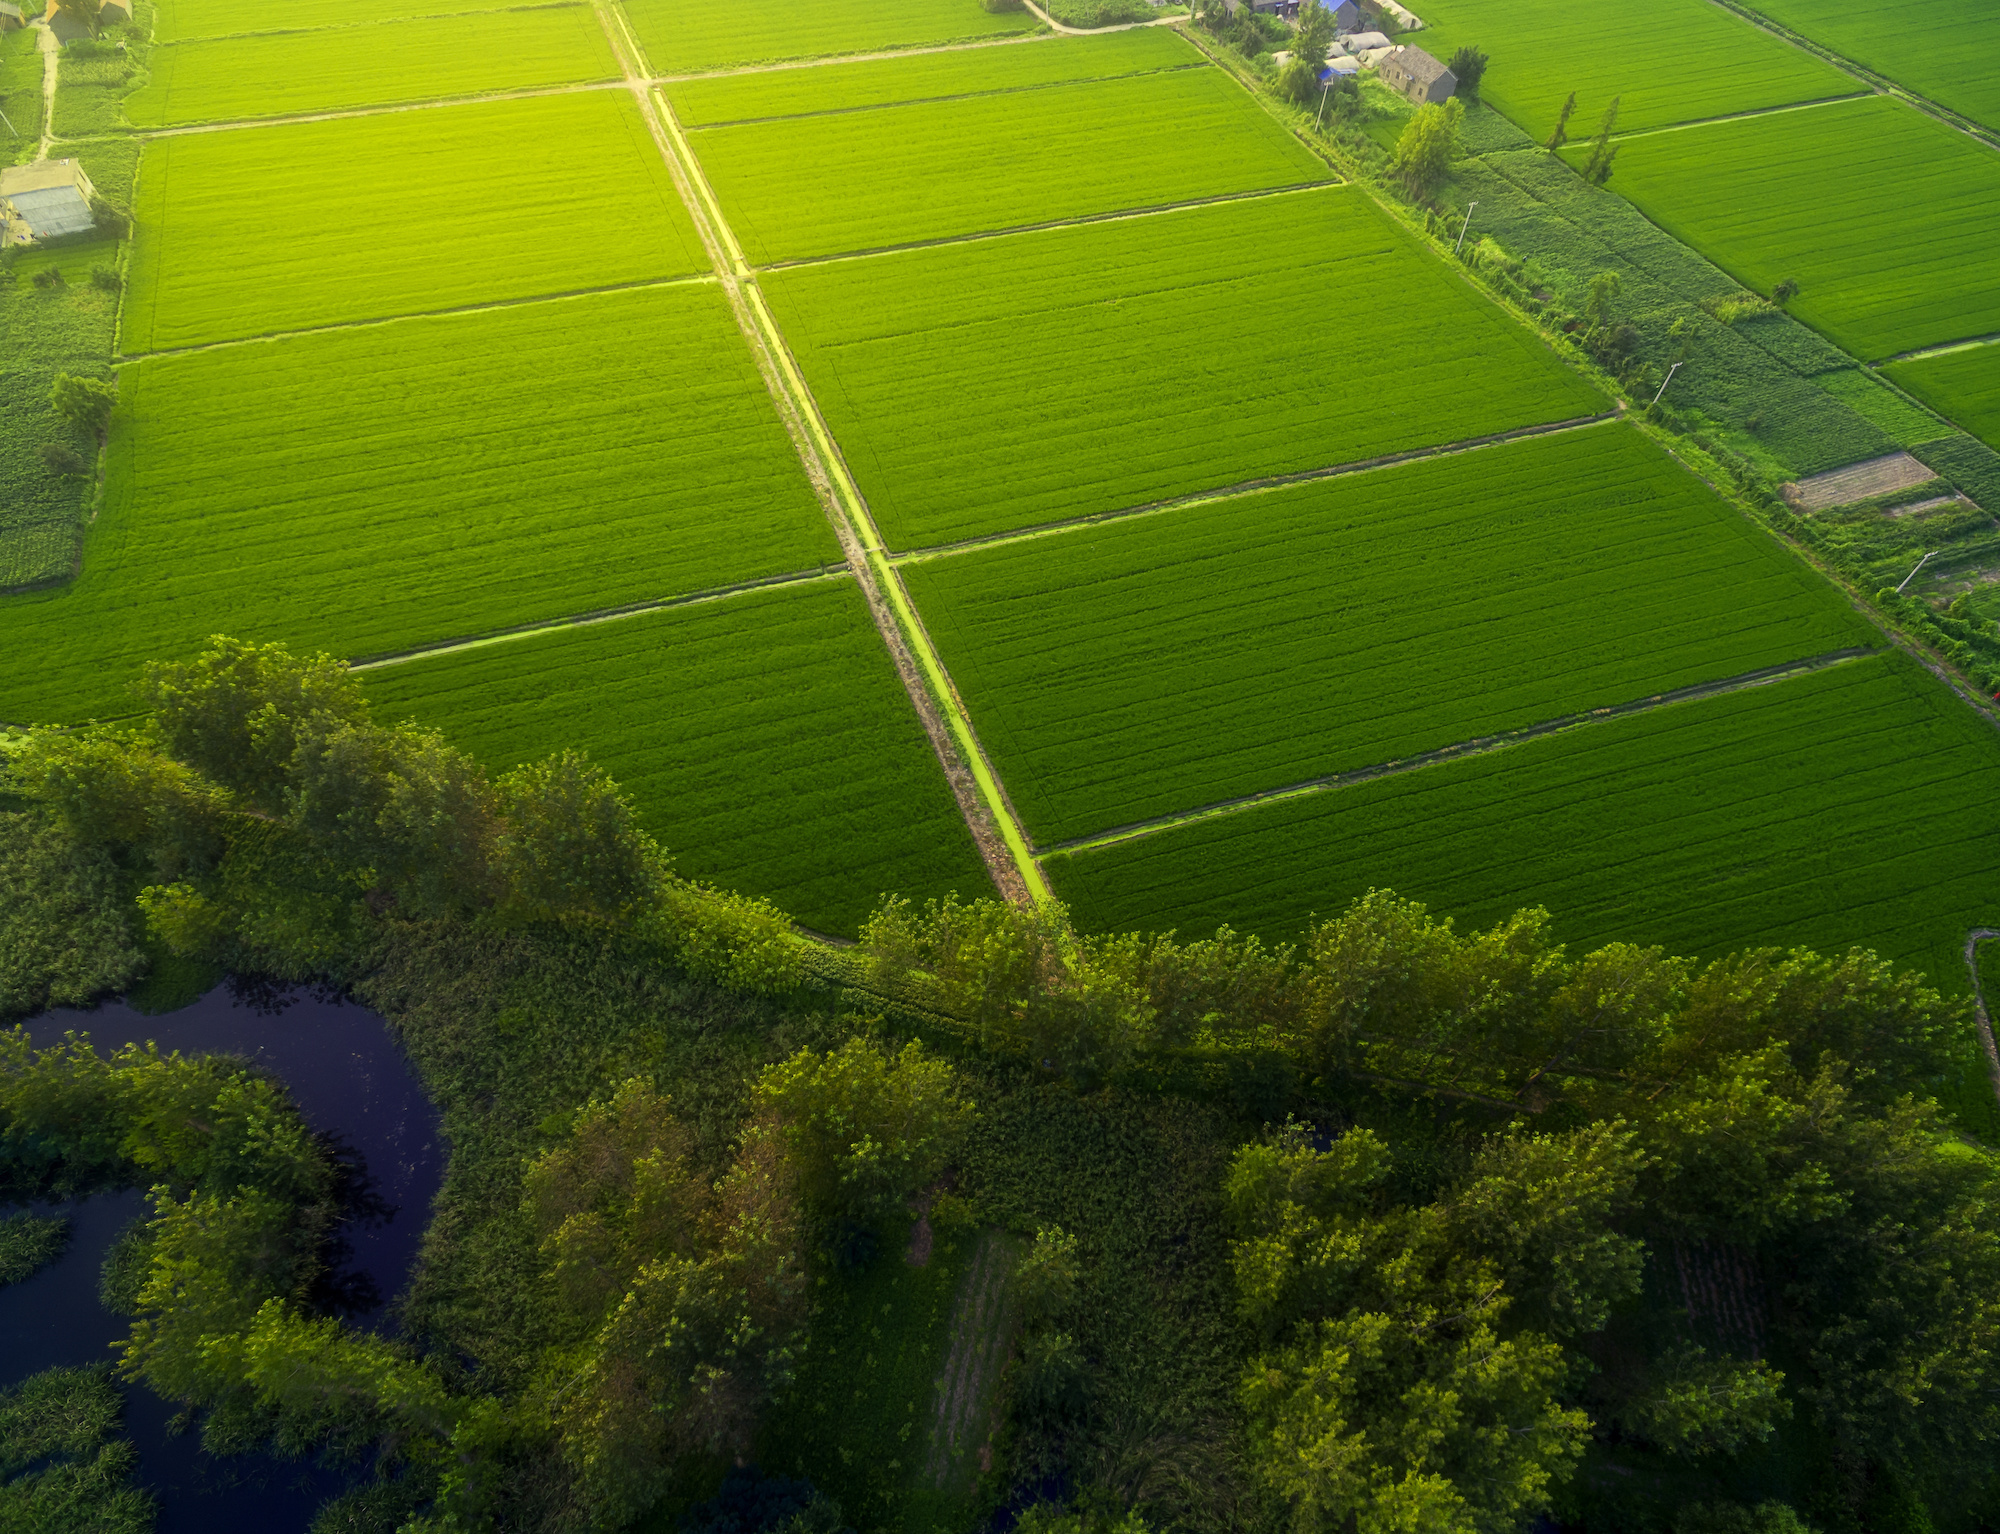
[{"x": 351, "y": 1082}]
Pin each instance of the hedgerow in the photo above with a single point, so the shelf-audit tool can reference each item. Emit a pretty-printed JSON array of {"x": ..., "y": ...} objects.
[
  {"x": 896, "y": 175},
  {"x": 1259, "y": 372},
  {"x": 355, "y": 219},
  {"x": 1157, "y": 664},
  {"x": 766, "y": 739},
  {"x": 425, "y": 59},
  {"x": 383, "y": 467}
]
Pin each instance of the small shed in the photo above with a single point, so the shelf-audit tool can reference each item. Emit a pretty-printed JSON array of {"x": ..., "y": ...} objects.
[
  {"x": 1342, "y": 68},
  {"x": 116, "y": 13},
  {"x": 11, "y": 19},
  {"x": 1361, "y": 42},
  {"x": 44, "y": 201},
  {"x": 1418, "y": 76},
  {"x": 1346, "y": 16}
]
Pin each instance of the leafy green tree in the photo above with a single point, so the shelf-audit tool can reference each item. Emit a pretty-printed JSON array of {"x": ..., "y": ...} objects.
[
  {"x": 1559, "y": 136},
  {"x": 1428, "y": 145},
  {"x": 1784, "y": 292},
  {"x": 1399, "y": 1394},
  {"x": 682, "y": 1301},
  {"x": 1597, "y": 169},
  {"x": 238, "y": 713},
  {"x": 1045, "y": 1281},
  {"x": 85, "y": 403},
  {"x": 864, "y": 1128},
  {"x": 1702, "y": 1405},
  {"x": 65, "y": 938},
  {"x": 1734, "y": 1518},
  {"x": 109, "y": 790},
  {"x": 570, "y": 844},
  {"x": 1468, "y": 67}
]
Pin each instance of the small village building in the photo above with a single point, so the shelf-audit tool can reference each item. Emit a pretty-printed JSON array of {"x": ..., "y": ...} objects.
[
  {"x": 11, "y": 19},
  {"x": 1341, "y": 68},
  {"x": 116, "y": 13},
  {"x": 69, "y": 27},
  {"x": 44, "y": 201},
  {"x": 1364, "y": 42},
  {"x": 1418, "y": 76},
  {"x": 1346, "y": 16}
]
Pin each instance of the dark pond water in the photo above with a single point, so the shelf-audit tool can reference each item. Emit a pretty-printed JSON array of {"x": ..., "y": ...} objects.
[{"x": 351, "y": 1082}]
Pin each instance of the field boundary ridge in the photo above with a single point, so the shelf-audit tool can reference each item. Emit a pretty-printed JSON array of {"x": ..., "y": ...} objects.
[
  {"x": 380, "y": 109},
  {"x": 600, "y": 615},
  {"x": 696, "y": 280},
  {"x": 1869, "y": 93},
  {"x": 982, "y": 802},
  {"x": 1153, "y": 210},
  {"x": 1250, "y": 487},
  {"x": 1482, "y": 745}
]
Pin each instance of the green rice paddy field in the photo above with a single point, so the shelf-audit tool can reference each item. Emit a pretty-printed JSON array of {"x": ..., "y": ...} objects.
[
  {"x": 1858, "y": 805},
  {"x": 1668, "y": 61},
  {"x": 1888, "y": 220},
  {"x": 1144, "y": 667},
  {"x": 1003, "y": 383},
  {"x": 370, "y": 490},
  {"x": 683, "y": 36},
  {"x": 265, "y": 230},
  {"x": 183, "y": 20},
  {"x": 1963, "y": 386},
  {"x": 1948, "y": 50},
  {"x": 1050, "y": 60},
  {"x": 930, "y": 170},
  {"x": 766, "y": 739},
  {"x": 426, "y": 59}
]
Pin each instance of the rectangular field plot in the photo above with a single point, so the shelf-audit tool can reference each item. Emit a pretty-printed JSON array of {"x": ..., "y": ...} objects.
[
  {"x": 930, "y": 170},
  {"x": 927, "y": 76},
  {"x": 1005, "y": 383},
  {"x": 370, "y": 490},
  {"x": 1141, "y": 668},
  {"x": 275, "y": 73},
  {"x": 766, "y": 740},
  {"x": 183, "y": 20},
  {"x": 1667, "y": 61},
  {"x": 320, "y": 223},
  {"x": 1948, "y": 50},
  {"x": 1901, "y": 254},
  {"x": 681, "y": 36},
  {"x": 1963, "y": 386},
  {"x": 1859, "y": 805}
]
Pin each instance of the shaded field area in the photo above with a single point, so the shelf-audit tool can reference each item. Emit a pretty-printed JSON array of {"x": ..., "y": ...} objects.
[
  {"x": 1948, "y": 50},
  {"x": 901, "y": 174},
  {"x": 1139, "y": 668},
  {"x": 273, "y": 74},
  {"x": 182, "y": 20},
  {"x": 681, "y": 35},
  {"x": 1962, "y": 385},
  {"x": 1050, "y": 60},
  {"x": 1667, "y": 61},
  {"x": 766, "y": 739},
  {"x": 1858, "y": 805},
  {"x": 1906, "y": 255},
  {"x": 309, "y": 224},
  {"x": 1151, "y": 357},
  {"x": 369, "y": 490}
]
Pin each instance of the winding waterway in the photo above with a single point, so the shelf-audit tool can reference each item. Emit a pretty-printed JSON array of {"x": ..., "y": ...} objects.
[{"x": 350, "y": 1080}]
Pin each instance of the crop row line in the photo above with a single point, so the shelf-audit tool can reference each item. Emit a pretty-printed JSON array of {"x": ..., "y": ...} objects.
[
  {"x": 366, "y": 21},
  {"x": 786, "y": 65},
  {"x": 384, "y": 109},
  {"x": 601, "y": 615},
  {"x": 1880, "y": 83},
  {"x": 1248, "y": 487},
  {"x": 987, "y": 813},
  {"x": 1731, "y": 117},
  {"x": 1122, "y": 215},
  {"x": 920, "y": 101},
  {"x": 699, "y": 279},
  {"x": 1463, "y": 750}
]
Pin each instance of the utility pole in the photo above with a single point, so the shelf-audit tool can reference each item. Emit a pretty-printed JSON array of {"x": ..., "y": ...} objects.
[
  {"x": 1320, "y": 125},
  {"x": 1665, "y": 381},
  {"x": 1463, "y": 227},
  {"x": 1919, "y": 565}
]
